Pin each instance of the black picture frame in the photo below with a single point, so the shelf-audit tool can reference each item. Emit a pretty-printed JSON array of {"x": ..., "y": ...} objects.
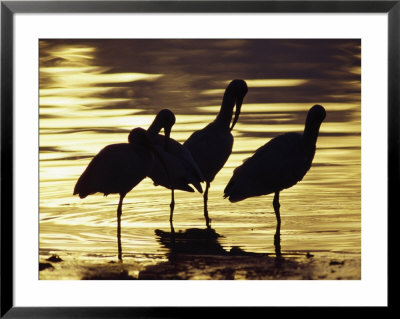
[{"x": 9, "y": 8}]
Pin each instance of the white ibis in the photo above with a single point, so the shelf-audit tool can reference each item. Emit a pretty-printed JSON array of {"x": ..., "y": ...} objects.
[
  {"x": 212, "y": 145},
  {"x": 183, "y": 170},
  {"x": 277, "y": 165},
  {"x": 118, "y": 168}
]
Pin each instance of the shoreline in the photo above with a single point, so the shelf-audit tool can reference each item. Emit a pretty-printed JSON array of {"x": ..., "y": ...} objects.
[
  {"x": 203, "y": 267},
  {"x": 196, "y": 254}
]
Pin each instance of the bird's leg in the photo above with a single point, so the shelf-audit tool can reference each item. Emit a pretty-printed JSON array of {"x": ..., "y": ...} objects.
[
  {"x": 172, "y": 234},
  {"x": 205, "y": 205},
  {"x": 119, "y": 214},
  {"x": 172, "y": 206},
  {"x": 277, "y": 237}
]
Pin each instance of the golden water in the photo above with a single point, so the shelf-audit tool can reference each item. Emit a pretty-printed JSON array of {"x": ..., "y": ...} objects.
[{"x": 93, "y": 92}]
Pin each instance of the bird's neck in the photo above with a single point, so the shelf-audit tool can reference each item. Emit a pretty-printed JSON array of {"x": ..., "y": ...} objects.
[
  {"x": 154, "y": 129},
  {"x": 310, "y": 135},
  {"x": 225, "y": 113}
]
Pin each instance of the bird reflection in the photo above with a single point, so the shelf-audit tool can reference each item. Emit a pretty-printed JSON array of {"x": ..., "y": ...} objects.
[
  {"x": 212, "y": 145},
  {"x": 191, "y": 241},
  {"x": 182, "y": 169},
  {"x": 277, "y": 165},
  {"x": 197, "y": 254},
  {"x": 118, "y": 168}
]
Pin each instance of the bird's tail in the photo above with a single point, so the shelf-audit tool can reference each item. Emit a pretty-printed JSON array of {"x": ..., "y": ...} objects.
[
  {"x": 198, "y": 187},
  {"x": 228, "y": 188},
  {"x": 233, "y": 198},
  {"x": 229, "y": 192},
  {"x": 79, "y": 189}
]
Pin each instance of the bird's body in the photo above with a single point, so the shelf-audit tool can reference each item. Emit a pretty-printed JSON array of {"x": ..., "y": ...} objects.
[
  {"x": 211, "y": 148},
  {"x": 279, "y": 164},
  {"x": 212, "y": 145},
  {"x": 118, "y": 168},
  {"x": 256, "y": 177}
]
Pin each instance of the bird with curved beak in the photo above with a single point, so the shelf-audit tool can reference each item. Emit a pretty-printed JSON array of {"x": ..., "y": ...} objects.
[
  {"x": 212, "y": 145},
  {"x": 277, "y": 165},
  {"x": 183, "y": 170},
  {"x": 165, "y": 119},
  {"x": 238, "y": 102}
]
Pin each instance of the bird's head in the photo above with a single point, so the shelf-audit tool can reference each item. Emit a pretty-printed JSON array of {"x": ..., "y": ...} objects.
[
  {"x": 314, "y": 119},
  {"x": 165, "y": 119},
  {"x": 316, "y": 115},
  {"x": 168, "y": 120},
  {"x": 239, "y": 89},
  {"x": 138, "y": 136}
]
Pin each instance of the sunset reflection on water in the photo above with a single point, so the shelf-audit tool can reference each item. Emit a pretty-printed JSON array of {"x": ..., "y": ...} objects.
[{"x": 93, "y": 92}]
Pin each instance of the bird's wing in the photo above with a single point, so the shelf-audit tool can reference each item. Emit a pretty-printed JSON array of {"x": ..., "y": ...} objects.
[
  {"x": 183, "y": 154},
  {"x": 182, "y": 168},
  {"x": 158, "y": 173},
  {"x": 210, "y": 149},
  {"x": 116, "y": 168},
  {"x": 276, "y": 165}
]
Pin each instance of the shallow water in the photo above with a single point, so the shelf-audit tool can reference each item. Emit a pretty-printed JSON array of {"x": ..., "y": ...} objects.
[{"x": 93, "y": 92}]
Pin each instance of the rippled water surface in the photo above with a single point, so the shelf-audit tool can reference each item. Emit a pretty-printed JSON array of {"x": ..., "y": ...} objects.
[{"x": 93, "y": 92}]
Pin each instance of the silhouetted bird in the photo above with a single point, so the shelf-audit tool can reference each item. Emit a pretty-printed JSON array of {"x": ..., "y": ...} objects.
[
  {"x": 212, "y": 145},
  {"x": 277, "y": 165},
  {"x": 118, "y": 168},
  {"x": 183, "y": 170}
]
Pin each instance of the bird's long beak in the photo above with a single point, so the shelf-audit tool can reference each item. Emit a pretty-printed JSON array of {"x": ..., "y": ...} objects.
[
  {"x": 239, "y": 102},
  {"x": 167, "y": 132}
]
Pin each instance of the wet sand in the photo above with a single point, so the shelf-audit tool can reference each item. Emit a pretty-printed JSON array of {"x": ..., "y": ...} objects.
[
  {"x": 209, "y": 267},
  {"x": 196, "y": 254}
]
